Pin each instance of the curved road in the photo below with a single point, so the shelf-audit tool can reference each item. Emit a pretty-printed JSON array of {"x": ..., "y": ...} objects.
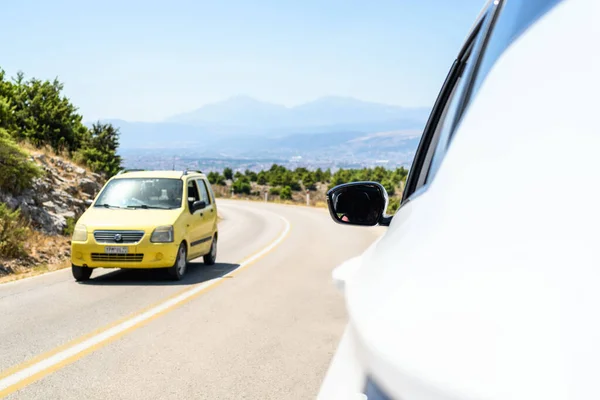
[{"x": 262, "y": 323}]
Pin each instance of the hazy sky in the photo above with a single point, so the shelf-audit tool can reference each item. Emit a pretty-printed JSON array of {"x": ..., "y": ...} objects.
[{"x": 146, "y": 60}]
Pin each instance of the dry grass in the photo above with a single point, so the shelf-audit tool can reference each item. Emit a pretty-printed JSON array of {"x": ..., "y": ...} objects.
[
  {"x": 33, "y": 271},
  {"x": 45, "y": 150},
  {"x": 39, "y": 245},
  {"x": 50, "y": 153},
  {"x": 46, "y": 253}
]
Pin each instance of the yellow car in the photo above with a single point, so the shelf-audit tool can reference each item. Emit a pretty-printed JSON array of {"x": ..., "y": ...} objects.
[{"x": 147, "y": 219}]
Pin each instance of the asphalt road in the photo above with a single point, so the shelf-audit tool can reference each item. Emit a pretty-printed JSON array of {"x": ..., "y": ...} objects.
[{"x": 263, "y": 323}]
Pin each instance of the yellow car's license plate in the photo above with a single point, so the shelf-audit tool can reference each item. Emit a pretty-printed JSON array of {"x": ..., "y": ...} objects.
[{"x": 116, "y": 249}]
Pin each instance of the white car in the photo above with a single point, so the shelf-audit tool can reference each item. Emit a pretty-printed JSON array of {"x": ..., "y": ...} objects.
[{"x": 486, "y": 284}]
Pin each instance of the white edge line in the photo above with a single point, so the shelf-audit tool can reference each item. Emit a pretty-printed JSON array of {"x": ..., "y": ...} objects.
[
  {"x": 30, "y": 278},
  {"x": 49, "y": 362}
]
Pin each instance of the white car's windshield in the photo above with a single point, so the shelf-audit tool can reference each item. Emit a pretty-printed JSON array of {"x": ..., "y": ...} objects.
[{"x": 159, "y": 193}]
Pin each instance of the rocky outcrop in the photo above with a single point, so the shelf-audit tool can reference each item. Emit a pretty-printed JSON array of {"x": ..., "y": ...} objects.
[{"x": 57, "y": 196}]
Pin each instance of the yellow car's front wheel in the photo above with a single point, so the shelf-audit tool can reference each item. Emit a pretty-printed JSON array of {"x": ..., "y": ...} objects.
[
  {"x": 81, "y": 273},
  {"x": 178, "y": 269}
]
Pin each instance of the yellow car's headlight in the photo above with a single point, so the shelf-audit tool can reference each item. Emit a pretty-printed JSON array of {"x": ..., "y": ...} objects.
[
  {"x": 162, "y": 234},
  {"x": 79, "y": 233}
]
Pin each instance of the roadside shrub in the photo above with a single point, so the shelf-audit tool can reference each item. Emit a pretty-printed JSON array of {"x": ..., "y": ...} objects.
[
  {"x": 17, "y": 172},
  {"x": 241, "y": 185},
  {"x": 295, "y": 186},
  {"x": 275, "y": 191},
  {"x": 286, "y": 193},
  {"x": 393, "y": 205},
  {"x": 389, "y": 187},
  {"x": 68, "y": 230},
  {"x": 215, "y": 178},
  {"x": 13, "y": 233}
]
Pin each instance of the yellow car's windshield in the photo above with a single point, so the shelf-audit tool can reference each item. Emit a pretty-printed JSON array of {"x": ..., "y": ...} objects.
[{"x": 158, "y": 193}]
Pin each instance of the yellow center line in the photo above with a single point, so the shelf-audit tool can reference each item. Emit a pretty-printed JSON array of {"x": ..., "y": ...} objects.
[{"x": 32, "y": 370}]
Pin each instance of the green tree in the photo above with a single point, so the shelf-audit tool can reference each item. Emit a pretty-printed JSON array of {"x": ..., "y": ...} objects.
[
  {"x": 253, "y": 176},
  {"x": 7, "y": 108},
  {"x": 242, "y": 185},
  {"x": 16, "y": 171},
  {"x": 99, "y": 150},
  {"x": 309, "y": 180},
  {"x": 399, "y": 175},
  {"x": 37, "y": 111},
  {"x": 319, "y": 175},
  {"x": 389, "y": 187},
  {"x": 262, "y": 178},
  {"x": 286, "y": 193},
  {"x": 275, "y": 178},
  {"x": 288, "y": 179},
  {"x": 379, "y": 174},
  {"x": 393, "y": 205},
  {"x": 215, "y": 178},
  {"x": 44, "y": 116},
  {"x": 228, "y": 173},
  {"x": 299, "y": 173}
]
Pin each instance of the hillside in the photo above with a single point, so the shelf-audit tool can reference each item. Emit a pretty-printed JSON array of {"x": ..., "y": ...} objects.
[
  {"x": 50, "y": 164},
  {"x": 47, "y": 211}
]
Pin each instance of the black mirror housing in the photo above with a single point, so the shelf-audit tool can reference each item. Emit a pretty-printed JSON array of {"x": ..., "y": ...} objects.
[
  {"x": 198, "y": 205},
  {"x": 358, "y": 203}
]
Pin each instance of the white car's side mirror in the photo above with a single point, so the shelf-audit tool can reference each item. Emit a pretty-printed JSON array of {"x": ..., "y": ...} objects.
[{"x": 359, "y": 203}]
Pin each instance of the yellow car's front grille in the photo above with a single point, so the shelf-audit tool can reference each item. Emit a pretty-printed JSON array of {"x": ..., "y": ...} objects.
[
  {"x": 118, "y": 236},
  {"x": 133, "y": 257}
]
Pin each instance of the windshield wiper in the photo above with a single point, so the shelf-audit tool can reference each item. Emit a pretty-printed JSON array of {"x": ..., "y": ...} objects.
[
  {"x": 106, "y": 205},
  {"x": 146, "y": 207}
]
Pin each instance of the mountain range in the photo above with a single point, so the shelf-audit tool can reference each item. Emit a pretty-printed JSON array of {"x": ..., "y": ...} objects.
[
  {"x": 244, "y": 126},
  {"x": 247, "y": 112}
]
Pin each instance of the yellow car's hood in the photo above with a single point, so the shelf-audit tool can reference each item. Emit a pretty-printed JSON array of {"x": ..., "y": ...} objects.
[{"x": 139, "y": 219}]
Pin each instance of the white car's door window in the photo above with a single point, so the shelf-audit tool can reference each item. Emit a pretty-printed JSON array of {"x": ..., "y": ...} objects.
[
  {"x": 446, "y": 109},
  {"x": 513, "y": 20}
]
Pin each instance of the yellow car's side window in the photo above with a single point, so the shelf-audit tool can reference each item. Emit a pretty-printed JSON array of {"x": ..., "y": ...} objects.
[
  {"x": 192, "y": 193},
  {"x": 203, "y": 191}
]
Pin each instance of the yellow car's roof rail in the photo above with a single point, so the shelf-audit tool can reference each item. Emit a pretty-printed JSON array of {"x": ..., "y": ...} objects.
[
  {"x": 187, "y": 171},
  {"x": 129, "y": 170}
]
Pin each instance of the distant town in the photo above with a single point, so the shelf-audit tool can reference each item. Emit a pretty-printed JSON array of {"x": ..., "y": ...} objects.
[{"x": 153, "y": 161}]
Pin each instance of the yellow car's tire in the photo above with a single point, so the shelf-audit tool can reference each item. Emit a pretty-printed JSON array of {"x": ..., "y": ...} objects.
[
  {"x": 211, "y": 257},
  {"x": 81, "y": 274},
  {"x": 177, "y": 271}
]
